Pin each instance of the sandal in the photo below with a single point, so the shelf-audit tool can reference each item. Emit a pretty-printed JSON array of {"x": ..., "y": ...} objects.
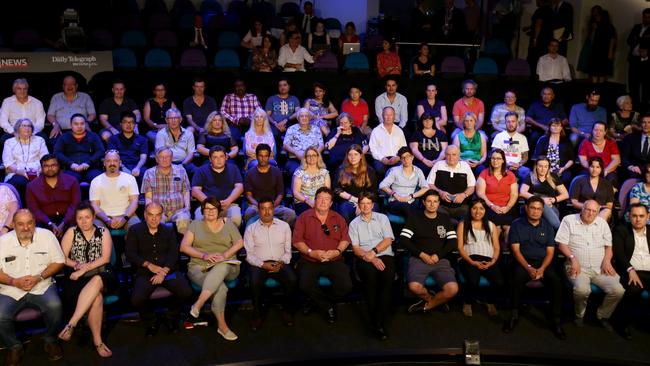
[
  {"x": 103, "y": 351},
  {"x": 66, "y": 333}
]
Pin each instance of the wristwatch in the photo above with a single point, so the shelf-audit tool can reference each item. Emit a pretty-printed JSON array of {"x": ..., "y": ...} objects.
[{"x": 375, "y": 250}]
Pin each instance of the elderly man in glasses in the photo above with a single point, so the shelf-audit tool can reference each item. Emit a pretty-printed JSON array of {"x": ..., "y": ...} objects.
[{"x": 321, "y": 236}]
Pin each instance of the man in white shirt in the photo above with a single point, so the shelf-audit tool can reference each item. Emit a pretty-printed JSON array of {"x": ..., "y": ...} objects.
[
  {"x": 292, "y": 55},
  {"x": 391, "y": 98},
  {"x": 454, "y": 180},
  {"x": 114, "y": 195},
  {"x": 553, "y": 67},
  {"x": 268, "y": 251},
  {"x": 385, "y": 140},
  {"x": 29, "y": 257},
  {"x": 586, "y": 241},
  {"x": 18, "y": 106},
  {"x": 515, "y": 146}
]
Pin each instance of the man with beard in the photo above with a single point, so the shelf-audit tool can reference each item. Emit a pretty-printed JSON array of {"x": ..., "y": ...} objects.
[
  {"x": 80, "y": 150},
  {"x": 468, "y": 103},
  {"x": 114, "y": 195},
  {"x": 53, "y": 196},
  {"x": 515, "y": 145},
  {"x": 583, "y": 116},
  {"x": 133, "y": 148},
  {"x": 30, "y": 258},
  {"x": 238, "y": 107}
]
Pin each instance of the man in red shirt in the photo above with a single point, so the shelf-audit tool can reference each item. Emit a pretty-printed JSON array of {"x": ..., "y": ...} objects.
[{"x": 321, "y": 236}]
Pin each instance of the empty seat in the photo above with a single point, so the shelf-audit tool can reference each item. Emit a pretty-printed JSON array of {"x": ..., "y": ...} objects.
[
  {"x": 165, "y": 39},
  {"x": 158, "y": 22},
  {"x": 157, "y": 58},
  {"x": 453, "y": 65},
  {"x": 124, "y": 58},
  {"x": 226, "y": 59},
  {"x": 228, "y": 40},
  {"x": 517, "y": 67},
  {"x": 101, "y": 39},
  {"x": 193, "y": 59},
  {"x": 134, "y": 38},
  {"x": 356, "y": 61},
  {"x": 327, "y": 62},
  {"x": 496, "y": 46},
  {"x": 485, "y": 66},
  {"x": 211, "y": 6}
]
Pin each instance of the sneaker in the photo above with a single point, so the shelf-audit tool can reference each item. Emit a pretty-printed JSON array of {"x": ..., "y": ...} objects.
[
  {"x": 467, "y": 310},
  {"x": 417, "y": 307},
  {"x": 492, "y": 310},
  {"x": 194, "y": 312}
]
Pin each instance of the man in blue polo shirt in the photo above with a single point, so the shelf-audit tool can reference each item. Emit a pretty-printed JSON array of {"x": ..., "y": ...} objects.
[
  {"x": 532, "y": 242},
  {"x": 132, "y": 147},
  {"x": 583, "y": 116}
]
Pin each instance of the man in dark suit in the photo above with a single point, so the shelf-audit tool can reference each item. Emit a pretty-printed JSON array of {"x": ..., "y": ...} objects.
[
  {"x": 562, "y": 19},
  {"x": 306, "y": 21},
  {"x": 450, "y": 24},
  {"x": 636, "y": 149},
  {"x": 638, "y": 38},
  {"x": 631, "y": 244}
]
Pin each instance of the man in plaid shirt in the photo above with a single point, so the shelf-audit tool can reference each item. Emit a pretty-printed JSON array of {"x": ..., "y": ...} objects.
[
  {"x": 168, "y": 185},
  {"x": 238, "y": 107}
]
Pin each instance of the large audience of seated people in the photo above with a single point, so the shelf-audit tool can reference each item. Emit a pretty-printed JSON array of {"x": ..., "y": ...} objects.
[{"x": 238, "y": 187}]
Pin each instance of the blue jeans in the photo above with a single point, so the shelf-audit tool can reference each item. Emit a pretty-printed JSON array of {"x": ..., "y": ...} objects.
[
  {"x": 50, "y": 306},
  {"x": 552, "y": 215}
]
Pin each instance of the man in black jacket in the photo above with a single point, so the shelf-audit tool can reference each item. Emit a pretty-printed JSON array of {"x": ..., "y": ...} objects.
[
  {"x": 152, "y": 248},
  {"x": 631, "y": 244},
  {"x": 80, "y": 151},
  {"x": 636, "y": 149},
  {"x": 430, "y": 237}
]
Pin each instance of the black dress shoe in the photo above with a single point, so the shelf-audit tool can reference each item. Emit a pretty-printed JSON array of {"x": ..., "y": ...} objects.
[
  {"x": 172, "y": 325},
  {"x": 330, "y": 316},
  {"x": 151, "y": 331},
  {"x": 256, "y": 323},
  {"x": 14, "y": 356},
  {"x": 380, "y": 332},
  {"x": 558, "y": 332},
  {"x": 626, "y": 333},
  {"x": 509, "y": 325}
]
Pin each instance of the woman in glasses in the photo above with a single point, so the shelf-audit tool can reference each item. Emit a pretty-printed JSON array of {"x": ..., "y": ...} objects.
[
  {"x": 22, "y": 154},
  {"x": 212, "y": 245},
  {"x": 307, "y": 179}
]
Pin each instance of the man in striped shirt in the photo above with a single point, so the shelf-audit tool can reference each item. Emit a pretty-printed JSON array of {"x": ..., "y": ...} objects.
[{"x": 429, "y": 236}]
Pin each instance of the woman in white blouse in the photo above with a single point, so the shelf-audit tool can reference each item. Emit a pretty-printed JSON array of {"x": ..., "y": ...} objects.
[
  {"x": 22, "y": 154},
  {"x": 478, "y": 246},
  {"x": 259, "y": 132}
]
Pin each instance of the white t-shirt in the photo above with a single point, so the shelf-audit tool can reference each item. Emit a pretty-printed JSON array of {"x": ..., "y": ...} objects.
[
  {"x": 513, "y": 146},
  {"x": 113, "y": 192}
]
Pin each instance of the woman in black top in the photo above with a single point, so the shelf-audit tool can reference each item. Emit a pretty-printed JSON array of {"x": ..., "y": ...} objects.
[
  {"x": 340, "y": 140},
  {"x": 216, "y": 133},
  {"x": 593, "y": 187},
  {"x": 154, "y": 110},
  {"x": 350, "y": 179},
  {"x": 557, "y": 149},
  {"x": 427, "y": 143},
  {"x": 423, "y": 65},
  {"x": 541, "y": 182}
]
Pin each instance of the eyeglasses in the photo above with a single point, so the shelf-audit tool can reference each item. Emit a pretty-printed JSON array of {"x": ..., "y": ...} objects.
[
  {"x": 326, "y": 230},
  {"x": 111, "y": 151}
]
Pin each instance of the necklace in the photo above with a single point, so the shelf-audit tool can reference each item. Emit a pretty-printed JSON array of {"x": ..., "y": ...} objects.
[{"x": 22, "y": 149}]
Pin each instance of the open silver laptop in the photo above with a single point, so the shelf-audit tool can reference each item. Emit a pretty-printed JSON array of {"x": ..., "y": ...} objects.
[{"x": 351, "y": 47}]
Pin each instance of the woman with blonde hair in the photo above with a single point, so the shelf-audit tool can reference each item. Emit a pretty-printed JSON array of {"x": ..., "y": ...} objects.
[
  {"x": 217, "y": 132},
  {"x": 259, "y": 132},
  {"x": 542, "y": 182},
  {"x": 353, "y": 177},
  {"x": 307, "y": 179}
]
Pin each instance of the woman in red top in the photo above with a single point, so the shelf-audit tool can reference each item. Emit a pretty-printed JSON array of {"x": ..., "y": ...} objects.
[
  {"x": 498, "y": 187},
  {"x": 388, "y": 62},
  {"x": 603, "y": 147}
]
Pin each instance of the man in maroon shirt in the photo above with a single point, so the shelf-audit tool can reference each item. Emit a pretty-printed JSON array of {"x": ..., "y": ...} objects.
[
  {"x": 53, "y": 196},
  {"x": 321, "y": 236}
]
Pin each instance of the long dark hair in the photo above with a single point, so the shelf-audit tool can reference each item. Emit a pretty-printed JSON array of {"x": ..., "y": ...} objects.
[{"x": 467, "y": 223}]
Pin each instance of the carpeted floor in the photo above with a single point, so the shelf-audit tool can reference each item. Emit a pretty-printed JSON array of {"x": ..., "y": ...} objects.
[{"x": 312, "y": 339}]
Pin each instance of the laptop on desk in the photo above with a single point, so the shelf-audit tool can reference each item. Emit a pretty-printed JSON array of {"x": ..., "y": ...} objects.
[{"x": 351, "y": 48}]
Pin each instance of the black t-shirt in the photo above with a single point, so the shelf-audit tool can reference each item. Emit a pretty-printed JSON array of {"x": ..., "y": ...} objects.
[
  {"x": 431, "y": 236},
  {"x": 544, "y": 188},
  {"x": 430, "y": 147},
  {"x": 337, "y": 153},
  {"x": 217, "y": 184},
  {"x": 114, "y": 110},
  {"x": 209, "y": 140}
]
